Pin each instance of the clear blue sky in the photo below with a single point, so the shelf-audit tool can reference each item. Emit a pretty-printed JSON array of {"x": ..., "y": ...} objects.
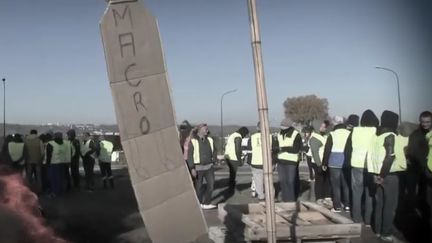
[{"x": 52, "y": 57}]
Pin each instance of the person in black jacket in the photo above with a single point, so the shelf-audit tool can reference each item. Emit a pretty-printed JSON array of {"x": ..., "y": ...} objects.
[
  {"x": 75, "y": 158},
  {"x": 417, "y": 153}
]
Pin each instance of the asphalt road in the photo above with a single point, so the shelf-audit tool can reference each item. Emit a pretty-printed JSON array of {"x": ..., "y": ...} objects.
[{"x": 112, "y": 215}]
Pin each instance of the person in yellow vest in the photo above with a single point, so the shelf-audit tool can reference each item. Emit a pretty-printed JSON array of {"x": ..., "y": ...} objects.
[
  {"x": 201, "y": 156},
  {"x": 288, "y": 145},
  {"x": 34, "y": 155},
  {"x": 358, "y": 144},
  {"x": 104, "y": 152},
  {"x": 88, "y": 153},
  {"x": 16, "y": 152},
  {"x": 66, "y": 165},
  {"x": 233, "y": 153},
  {"x": 315, "y": 154},
  {"x": 256, "y": 163},
  {"x": 334, "y": 159},
  {"x": 385, "y": 160},
  {"x": 429, "y": 181},
  {"x": 56, "y": 154}
]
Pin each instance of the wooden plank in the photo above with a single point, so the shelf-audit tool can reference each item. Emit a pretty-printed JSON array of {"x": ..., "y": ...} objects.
[
  {"x": 337, "y": 218},
  {"x": 311, "y": 216},
  {"x": 332, "y": 231}
]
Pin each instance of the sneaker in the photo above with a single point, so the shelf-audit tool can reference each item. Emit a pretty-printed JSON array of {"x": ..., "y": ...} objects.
[
  {"x": 378, "y": 235},
  {"x": 336, "y": 210},
  {"x": 387, "y": 238},
  {"x": 346, "y": 209},
  {"x": 208, "y": 206}
]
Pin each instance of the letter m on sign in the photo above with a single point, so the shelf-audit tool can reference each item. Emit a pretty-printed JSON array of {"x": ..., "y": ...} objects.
[{"x": 120, "y": 17}]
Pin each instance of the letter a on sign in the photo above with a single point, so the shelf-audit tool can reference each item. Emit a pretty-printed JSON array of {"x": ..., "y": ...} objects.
[{"x": 145, "y": 116}]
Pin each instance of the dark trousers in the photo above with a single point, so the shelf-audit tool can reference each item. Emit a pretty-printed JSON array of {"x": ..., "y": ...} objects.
[
  {"x": 386, "y": 201},
  {"x": 311, "y": 167},
  {"x": 233, "y": 167},
  {"x": 339, "y": 188},
  {"x": 287, "y": 180},
  {"x": 105, "y": 168},
  {"x": 429, "y": 202},
  {"x": 88, "y": 163},
  {"x": 75, "y": 172},
  {"x": 205, "y": 196},
  {"x": 56, "y": 178},
  {"x": 67, "y": 176},
  {"x": 34, "y": 176},
  {"x": 361, "y": 185},
  {"x": 322, "y": 183},
  {"x": 45, "y": 178}
]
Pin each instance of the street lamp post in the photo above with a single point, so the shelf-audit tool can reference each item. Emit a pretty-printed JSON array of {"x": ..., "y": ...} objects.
[
  {"x": 4, "y": 108},
  {"x": 398, "y": 88},
  {"x": 221, "y": 122}
]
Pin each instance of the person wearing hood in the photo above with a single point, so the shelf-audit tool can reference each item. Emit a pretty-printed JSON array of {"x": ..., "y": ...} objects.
[
  {"x": 385, "y": 160},
  {"x": 233, "y": 154},
  {"x": 417, "y": 157},
  {"x": 88, "y": 150},
  {"x": 315, "y": 154},
  {"x": 334, "y": 159},
  {"x": 33, "y": 160},
  {"x": 358, "y": 145},
  {"x": 288, "y": 145},
  {"x": 74, "y": 165},
  {"x": 56, "y": 155}
]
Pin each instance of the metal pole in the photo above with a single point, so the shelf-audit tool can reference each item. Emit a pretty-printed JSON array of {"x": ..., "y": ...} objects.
[
  {"x": 4, "y": 108},
  {"x": 221, "y": 111},
  {"x": 398, "y": 89},
  {"x": 264, "y": 121}
]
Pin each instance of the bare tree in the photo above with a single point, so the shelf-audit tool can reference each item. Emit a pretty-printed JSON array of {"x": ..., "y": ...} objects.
[{"x": 305, "y": 109}]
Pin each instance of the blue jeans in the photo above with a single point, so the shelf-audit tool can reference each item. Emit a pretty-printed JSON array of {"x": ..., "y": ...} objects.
[
  {"x": 361, "y": 183},
  {"x": 287, "y": 180}
]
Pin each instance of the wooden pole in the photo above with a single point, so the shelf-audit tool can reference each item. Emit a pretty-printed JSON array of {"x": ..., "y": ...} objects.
[{"x": 264, "y": 122}]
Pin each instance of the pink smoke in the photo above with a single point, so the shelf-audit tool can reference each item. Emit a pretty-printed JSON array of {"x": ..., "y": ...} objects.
[{"x": 17, "y": 201}]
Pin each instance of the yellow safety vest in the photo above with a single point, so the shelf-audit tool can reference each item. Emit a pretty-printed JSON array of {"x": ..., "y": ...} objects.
[
  {"x": 287, "y": 142},
  {"x": 361, "y": 139},
  {"x": 196, "y": 154},
  {"x": 400, "y": 162},
  {"x": 16, "y": 150},
  {"x": 230, "y": 149},
  {"x": 106, "y": 149},
  {"x": 256, "y": 148},
  {"x": 323, "y": 140},
  {"x": 85, "y": 147},
  {"x": 60, "y": 152},
  {"x": 429, "y": 139},
  {"x": 339, "y": 137},
  {"x": 377, "y": 154},
  {"x": 69, "y": 151}
]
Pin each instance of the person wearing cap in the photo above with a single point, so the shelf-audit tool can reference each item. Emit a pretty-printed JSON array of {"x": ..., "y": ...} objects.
[
  {"x": 201, "y": 156},
  {"x": 358, "y": 145},
  {"x": 233, "y": 154},
  {"x": 104, "y": 153},
  {"x": 88, "y": 150},
  {"x": 315, "y": 154},
  {"x": 256, "y": 163},
  {"x": 74, "y": 166},
  {"x": 334, "y": 159},
  {"x": 352, "y": 121},
  {"x": 56, "y": 154},
  {"x": 288, "y": 145},
  {"x": 385, "y": 160}
]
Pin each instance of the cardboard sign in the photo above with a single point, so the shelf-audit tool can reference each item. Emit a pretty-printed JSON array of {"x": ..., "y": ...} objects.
[{"x": 146, "y": 119}]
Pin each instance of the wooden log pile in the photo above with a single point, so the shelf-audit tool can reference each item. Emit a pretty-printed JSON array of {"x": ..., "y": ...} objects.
[{"x": 296, "y": 222}]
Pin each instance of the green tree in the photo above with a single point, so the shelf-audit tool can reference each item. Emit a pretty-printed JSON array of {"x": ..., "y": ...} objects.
[{"x": 305, "y": 109}]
